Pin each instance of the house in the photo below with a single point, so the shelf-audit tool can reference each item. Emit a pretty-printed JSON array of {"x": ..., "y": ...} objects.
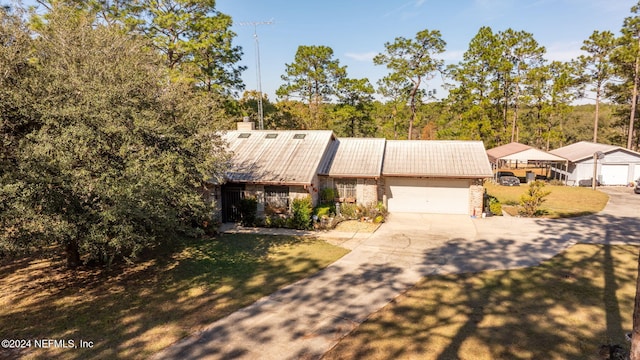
[
  {"x": 276, "y": 167},
  {"x": 435, "y": 176},
  {"x": 617, "y": 166}
]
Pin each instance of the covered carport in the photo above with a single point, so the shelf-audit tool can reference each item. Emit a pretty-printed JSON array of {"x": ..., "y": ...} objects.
[{"x": 517, "y": 155}]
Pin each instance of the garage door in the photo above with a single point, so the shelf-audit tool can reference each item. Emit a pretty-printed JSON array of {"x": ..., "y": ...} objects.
[
  {"x": 614, "y": 174},
  {"x": 443, "y": 196}
]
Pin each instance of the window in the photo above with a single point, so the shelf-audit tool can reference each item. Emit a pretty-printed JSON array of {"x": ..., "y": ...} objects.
[
  {"x": 299, "y": 136},
  {"x": 244, "y": 135},
  {"x": 276, "y": 199},
  {"x": 271, "y": 136},
  {"x": 346, "y": 189}
]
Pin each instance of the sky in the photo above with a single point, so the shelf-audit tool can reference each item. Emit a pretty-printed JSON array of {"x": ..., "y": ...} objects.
[{"x": 357, "y": 30}]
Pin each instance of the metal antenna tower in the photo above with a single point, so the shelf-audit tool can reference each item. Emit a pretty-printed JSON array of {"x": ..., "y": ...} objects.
[{"x": 258, "y": 75}]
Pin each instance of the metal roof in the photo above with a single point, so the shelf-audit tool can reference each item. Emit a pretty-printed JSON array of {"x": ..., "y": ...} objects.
[
  {"x": 505, "y": 150},
  {"x": 436, "y": 158},
  {"x": 585, "y": 149},
  {"x": 355, "y": 157},
  {"x": 269, "y": 156},
  {"x": 520, "y": 152}
]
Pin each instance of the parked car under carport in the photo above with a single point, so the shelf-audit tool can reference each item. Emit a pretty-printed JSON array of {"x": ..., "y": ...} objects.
[{"x": 507, "y": 178}]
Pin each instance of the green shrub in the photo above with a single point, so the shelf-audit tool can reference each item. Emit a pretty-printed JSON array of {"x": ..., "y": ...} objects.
[
  {"x": 248, "y": 210},
  {"x": 534, "y": 197},
  {"x": 325, "y": 210},
  {"x": 275, "y": 221},
  {"x": 494, "y": 205},
  {"x": 349, "y": 211},
  {"x": 301, "y": 211},
  {"x": 327, "y": 195},
  {"x": 382, "y": 210}
]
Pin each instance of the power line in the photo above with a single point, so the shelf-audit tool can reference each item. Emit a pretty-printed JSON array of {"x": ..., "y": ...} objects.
[{"x": 258, "y": 75}]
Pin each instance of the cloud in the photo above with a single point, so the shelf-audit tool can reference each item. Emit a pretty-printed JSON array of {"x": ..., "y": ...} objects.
[
  {"x": 402, "y": 9},
  {"x": 366, "y": 56},
  {"x": 451, "y": 56},
  {"x": 564, "y": 51}
]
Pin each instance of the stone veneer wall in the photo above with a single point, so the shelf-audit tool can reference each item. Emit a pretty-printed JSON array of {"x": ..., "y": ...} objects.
[
  {"x": 367, "y": 191},
  {"x": 476, "y": 198}
]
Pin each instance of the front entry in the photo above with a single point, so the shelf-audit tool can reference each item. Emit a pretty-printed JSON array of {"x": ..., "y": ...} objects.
[{"x": 231, "y": 196}]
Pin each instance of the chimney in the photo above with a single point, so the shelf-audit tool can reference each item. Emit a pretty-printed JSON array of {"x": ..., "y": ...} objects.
[{"x": 246, "y": 125}]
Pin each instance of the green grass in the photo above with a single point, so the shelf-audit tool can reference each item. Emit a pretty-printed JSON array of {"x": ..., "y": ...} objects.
[
  {"x": 563, "y": 309},
  {"x": 140, "y": 310},
  {"x": 563, "y": 201}
]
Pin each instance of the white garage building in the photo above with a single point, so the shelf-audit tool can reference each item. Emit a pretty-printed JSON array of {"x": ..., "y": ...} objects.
[
  {"x": 619, "y": 166},
  {"x": 434, "y": 176}
]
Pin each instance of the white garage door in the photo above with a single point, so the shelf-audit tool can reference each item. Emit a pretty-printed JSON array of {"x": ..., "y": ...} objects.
[
  {"x": 614, "y": 174},
  {"x": 443, "y": 196}
]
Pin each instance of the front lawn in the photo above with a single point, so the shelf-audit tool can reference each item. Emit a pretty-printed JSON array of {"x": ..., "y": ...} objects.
[
  {"x": 563, "y": 309},
  {"x": 140, "y": 310},
  {"x": 563, "y": 201}
]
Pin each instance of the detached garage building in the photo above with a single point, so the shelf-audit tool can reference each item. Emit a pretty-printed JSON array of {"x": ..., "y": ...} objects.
[
  {"x": 619, "y": 166},
  {"x": 435, "y": 176}
]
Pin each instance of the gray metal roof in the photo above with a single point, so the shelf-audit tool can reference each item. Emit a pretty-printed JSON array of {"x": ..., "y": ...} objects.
[
  {"x": 266, "y": 156},
  {"x": 585, "y": 149},
  {"x": 436, "y": 158},
  {"x": 355, "y": 157}
]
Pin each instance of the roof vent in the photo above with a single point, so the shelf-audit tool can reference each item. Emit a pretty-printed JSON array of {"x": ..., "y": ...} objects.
[
  {"x": 243, "y": 135},
  {"x": 271, "y": 136},
  {"x": 299, "y": 136}
]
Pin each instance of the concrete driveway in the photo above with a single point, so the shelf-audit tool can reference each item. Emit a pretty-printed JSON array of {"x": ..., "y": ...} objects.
[{"x": 307, "y": 318}]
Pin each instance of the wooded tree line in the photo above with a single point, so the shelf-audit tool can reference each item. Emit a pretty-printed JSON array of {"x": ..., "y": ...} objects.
[
  {"x": 503, "y": 90},
  {"x": 110, "y": 108}
]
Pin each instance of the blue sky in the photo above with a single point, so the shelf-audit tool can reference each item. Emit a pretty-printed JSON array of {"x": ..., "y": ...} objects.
[{"x": 356, "y": 30}]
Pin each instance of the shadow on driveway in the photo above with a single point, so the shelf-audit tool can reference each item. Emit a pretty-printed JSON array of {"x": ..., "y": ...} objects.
[{"x": 306, "y": 319}]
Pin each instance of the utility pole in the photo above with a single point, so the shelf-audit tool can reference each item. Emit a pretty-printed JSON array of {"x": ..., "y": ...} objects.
[{"x": 258, "y": 75}]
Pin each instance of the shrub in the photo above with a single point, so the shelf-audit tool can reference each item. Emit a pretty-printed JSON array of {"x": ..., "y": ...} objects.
[
  {"x": 325, "y": 210},
  {"x": 382, "y": 210},
  {"x": 301, "y": 211},
  {"x": 494, "y": 205},
  {"x": 275, "y": 221},
  {"x": 534, "y": 197},
  {"x": 248, "y": 210},
  {"x": 349, "y": 211},
  {"x": 327, "y": 195},
  {"x": 372, "y": 211}
]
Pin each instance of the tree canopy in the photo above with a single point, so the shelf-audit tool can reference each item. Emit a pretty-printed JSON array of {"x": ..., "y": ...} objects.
[
  {"x": 99, "y": 158},
  {"x": 411, "y": 61}
]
